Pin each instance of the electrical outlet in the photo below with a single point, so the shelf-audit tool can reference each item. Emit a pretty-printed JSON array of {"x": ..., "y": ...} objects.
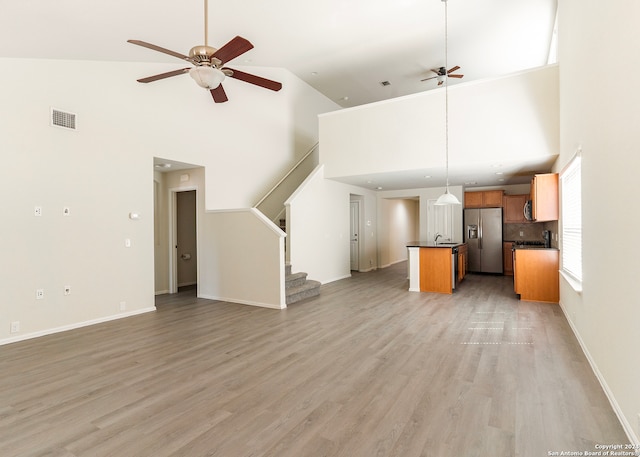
[
  {"x": 67, "y": 290},
  {"x": 127, "y": 243},
  {"x": 15, "y": 326},
  {"x": 39, "y": 294},
  {"x": 521, "y": 233},
  {"x": 37, "y": 211},
  {"x": 123, "y": 305}
]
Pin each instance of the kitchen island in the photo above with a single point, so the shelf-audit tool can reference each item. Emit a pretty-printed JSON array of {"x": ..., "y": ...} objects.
[{"x": 435, "y": 267}]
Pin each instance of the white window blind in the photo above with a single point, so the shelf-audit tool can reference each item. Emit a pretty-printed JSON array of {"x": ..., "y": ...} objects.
[{"x": 570, "y": 180}]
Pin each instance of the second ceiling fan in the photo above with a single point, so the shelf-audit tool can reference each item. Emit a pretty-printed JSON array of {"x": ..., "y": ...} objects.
[
  {"x": 208, "y": 68},
  {"x": 442, "y": 73}
]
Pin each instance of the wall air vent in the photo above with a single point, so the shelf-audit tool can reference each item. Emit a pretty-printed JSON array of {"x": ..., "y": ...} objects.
[{"x": 63, "y": 119}]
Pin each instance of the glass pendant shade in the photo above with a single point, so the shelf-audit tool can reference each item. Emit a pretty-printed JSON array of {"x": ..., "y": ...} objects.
[
  {"x": 447, "y": 199},
  {"x": 207, "y": 77}
]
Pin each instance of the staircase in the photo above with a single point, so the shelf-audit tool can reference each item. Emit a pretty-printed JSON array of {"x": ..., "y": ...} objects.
[{"x": 298, "y": 287}]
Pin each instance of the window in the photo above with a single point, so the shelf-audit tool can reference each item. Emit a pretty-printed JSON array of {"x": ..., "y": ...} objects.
[{"x": 571, "y": 188}]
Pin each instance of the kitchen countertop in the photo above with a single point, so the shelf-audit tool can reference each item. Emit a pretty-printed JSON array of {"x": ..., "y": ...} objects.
[
  {"x": 431, "y": 244},
  {"x": 529, "y": 246}
]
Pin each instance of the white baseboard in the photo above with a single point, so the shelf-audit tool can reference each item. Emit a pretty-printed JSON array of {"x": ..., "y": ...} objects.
[
  {"x": 336, "y": 279},
  {"x": 64, "y": 328},
  {"x": 628, "y": 429},
  {"x": 242, "y": 302}
]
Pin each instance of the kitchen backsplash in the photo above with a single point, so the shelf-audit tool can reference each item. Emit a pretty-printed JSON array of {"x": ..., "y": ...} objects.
[{"x": 530, "y": 232}]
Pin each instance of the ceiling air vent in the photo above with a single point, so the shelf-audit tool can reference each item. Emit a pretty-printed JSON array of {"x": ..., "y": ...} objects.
[{"x": 63, "y": 119}]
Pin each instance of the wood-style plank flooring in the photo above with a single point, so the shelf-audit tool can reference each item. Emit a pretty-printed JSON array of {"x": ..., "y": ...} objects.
[{"x": 365, "y": 369}]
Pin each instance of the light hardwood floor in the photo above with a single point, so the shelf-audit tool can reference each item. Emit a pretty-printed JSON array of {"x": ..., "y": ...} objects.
[{"x": 365, "y": 369}]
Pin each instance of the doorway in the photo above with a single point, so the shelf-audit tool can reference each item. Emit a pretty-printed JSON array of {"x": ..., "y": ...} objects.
[
  {"x": 183, "y": 240},
  {"x": 354, "y": 240}
]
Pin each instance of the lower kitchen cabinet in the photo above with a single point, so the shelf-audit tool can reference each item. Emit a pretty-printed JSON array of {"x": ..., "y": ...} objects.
[
  {"x": 435, "y": 270},
  {"x": 462, "y": 262},
  {"x": 507, "y": 258},
  {"x": 536, "y": 276}
]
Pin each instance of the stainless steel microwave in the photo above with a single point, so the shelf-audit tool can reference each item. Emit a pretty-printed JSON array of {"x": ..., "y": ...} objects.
[{"x": 528, "y": 210}]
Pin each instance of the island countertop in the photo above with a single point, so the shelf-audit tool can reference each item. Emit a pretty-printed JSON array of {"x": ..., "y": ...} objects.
[{"x": 431, "y": 244}]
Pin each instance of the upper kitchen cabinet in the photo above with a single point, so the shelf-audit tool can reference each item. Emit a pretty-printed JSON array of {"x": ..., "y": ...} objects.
[
  {"x": 544, "y": 197},
  {"x": 484, "y": 199},
  {"x": 514, "y": 209}
]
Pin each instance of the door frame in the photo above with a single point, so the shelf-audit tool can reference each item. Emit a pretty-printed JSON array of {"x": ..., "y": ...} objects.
[
  {"x": 357, "y": 205},
  {"x": 173, "y": 236}
]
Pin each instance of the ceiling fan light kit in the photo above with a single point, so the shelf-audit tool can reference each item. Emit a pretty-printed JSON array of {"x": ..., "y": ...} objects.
[
  {"x": 207, "y": 77},
  {"x": 208, "y": 70}
]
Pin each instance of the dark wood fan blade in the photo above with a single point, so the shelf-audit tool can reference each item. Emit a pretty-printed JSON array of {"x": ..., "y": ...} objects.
[
  {"x": 257, "y": 80},
  {"x": 144, "y": 44},
  {"x": 440, "y": 83},
  {"x": 456, "y": 76},
  {"x": 453, "y": 69},
  {"x": 233, "y": 49},
  {"x": 219, "y": 95},
  {"x": 169, "y": 74}
]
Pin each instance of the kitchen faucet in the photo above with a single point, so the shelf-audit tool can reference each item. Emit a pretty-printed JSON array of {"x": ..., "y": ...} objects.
[{"x": 435, "y": 241}]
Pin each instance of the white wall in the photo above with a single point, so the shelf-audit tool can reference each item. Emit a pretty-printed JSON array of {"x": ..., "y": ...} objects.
[
  {"x": 318, "y": 218},
  {"x": 241, "y": 259},
  {"x": 497, "y": 118},
  {"x": 104, "y": 170},
  {"x": 603, "y": 120},
  {"x": 399, "y": 220}
]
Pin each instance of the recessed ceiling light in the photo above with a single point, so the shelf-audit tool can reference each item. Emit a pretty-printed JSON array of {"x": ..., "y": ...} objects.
[
  {"x": 379, "y": 187},
  {"x": 496, "y": 165},
  {"x": 163, "y": 165},
  {"x": 470, "y": 183},
  {"x": 427, "y": 176},
  {"x": 499, "y": 173},
  {"x": 314, "y": 73}
]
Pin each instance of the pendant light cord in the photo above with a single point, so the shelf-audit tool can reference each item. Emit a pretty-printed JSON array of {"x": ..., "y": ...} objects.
[
  {"x": 446, "y": 90},
  {"x": 206, "y": 22}
]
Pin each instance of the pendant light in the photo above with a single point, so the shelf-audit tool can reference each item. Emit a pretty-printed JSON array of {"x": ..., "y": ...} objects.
[{"x": 447, "y": 198}]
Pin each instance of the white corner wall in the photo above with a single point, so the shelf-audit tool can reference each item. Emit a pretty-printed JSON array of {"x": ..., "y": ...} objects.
[
  {"x": 104, "y": 170},
  {"x": 318, "y": 219},
  {"x": 242, "y": 259},
  {"x": 603, "y": 121}
]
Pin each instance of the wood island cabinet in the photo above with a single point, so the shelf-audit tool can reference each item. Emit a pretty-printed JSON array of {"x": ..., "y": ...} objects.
[
  {"x": 435, "y": 270},
  {"x": 484, "y": 199},
  {"x": 536, "y": 276},
  {"x": 544, "y": 197},
  {"x": 514, "y": 209}
]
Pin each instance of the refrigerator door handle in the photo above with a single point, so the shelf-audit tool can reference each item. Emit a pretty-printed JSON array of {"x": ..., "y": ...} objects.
[{"x": 480, "y": 232}]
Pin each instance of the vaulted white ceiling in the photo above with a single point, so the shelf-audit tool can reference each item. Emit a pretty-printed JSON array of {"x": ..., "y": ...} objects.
[{"x": 343, "y": 48}]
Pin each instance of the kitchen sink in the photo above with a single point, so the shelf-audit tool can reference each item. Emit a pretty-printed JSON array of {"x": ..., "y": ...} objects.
[{"x": 446, "y": 244}]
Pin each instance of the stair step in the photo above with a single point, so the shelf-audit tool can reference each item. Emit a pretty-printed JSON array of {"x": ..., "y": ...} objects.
[
  {"x": 295, "y": 280},
  {"x": 308, "y": 289}
]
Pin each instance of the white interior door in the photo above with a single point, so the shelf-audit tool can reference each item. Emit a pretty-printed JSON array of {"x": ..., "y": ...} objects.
[
  {"x": 354, "y": 223},
  {"x": 439, "y": 221}
]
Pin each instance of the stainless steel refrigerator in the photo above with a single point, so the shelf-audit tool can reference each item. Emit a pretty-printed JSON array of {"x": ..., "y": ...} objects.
[{"x": 483, "y": 235}]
